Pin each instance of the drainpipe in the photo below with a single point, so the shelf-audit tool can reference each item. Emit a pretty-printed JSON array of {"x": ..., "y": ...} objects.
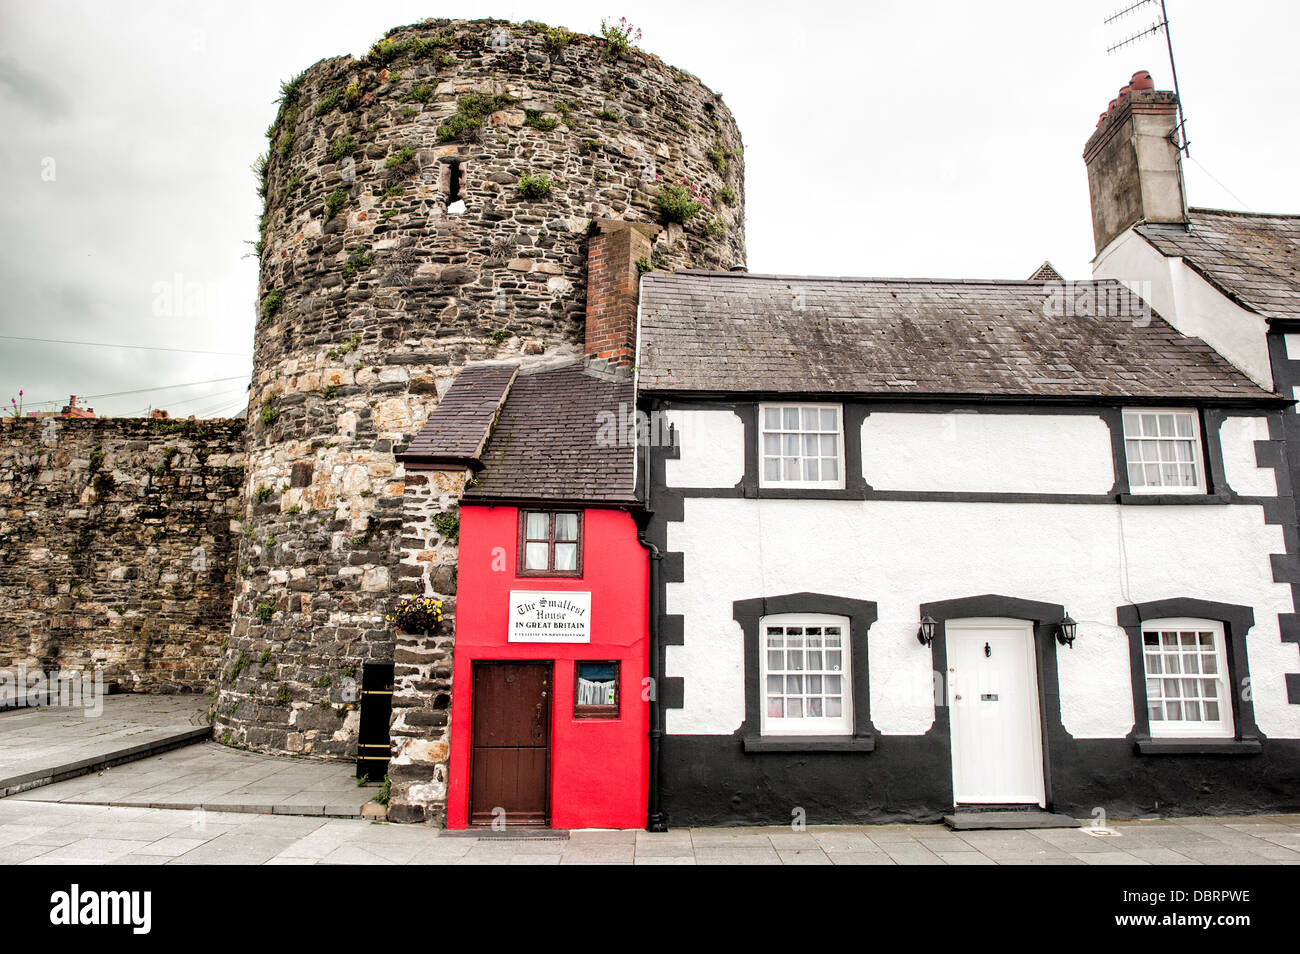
[{"x": 655, "y": 820}]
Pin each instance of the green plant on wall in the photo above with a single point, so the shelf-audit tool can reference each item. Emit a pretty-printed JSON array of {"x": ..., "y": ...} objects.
[
  {"x": 619, "y": 37},
  {"x": 271, "y": 303},
  {"x": 448, "y": 524},
  {"x": 359, "y": 260},
  {"x": 471, "y": 110},
  {"x": 341, "y": 148},
  {"x": 268, "y": 411},
  {"x": 334, "y": 203},
  {"x": 535, "y": 119},
  {"x": 533, "y": 187},
  {"x": 677, "y": 201}
]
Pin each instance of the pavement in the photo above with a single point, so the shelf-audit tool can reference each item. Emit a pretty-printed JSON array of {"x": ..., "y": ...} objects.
[
  {"x": 216, "y": 778},
  {"x": 209, "y": 804},
  {"x": 43, "y": 744},
  {"x": 43, "y": 833}
]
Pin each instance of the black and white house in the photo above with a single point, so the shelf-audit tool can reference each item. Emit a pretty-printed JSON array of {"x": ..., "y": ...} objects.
[{"x": 929, "y": 544}]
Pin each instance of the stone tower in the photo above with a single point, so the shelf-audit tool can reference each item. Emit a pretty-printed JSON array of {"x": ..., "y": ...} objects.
[{"x": 427, "y": 205}]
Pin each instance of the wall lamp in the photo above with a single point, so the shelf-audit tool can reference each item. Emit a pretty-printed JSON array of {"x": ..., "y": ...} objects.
[
  {"x": 1066, "y": 631},
  {"x": 925, "y": 634}
]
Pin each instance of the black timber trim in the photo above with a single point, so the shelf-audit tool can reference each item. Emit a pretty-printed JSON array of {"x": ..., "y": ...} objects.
[
  {"x": 1231, "y": 747},
  {"x": 1282, "y": 453},
  {"x": 1236, "y": 621},
  {"x": 1265, "y": 400},
  {"x": 1045, "y": 619},
  {"x": 861, "y": 614}
]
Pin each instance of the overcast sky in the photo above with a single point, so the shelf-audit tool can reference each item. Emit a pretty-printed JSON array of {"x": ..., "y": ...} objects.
[{"x": 936, "y": 139}]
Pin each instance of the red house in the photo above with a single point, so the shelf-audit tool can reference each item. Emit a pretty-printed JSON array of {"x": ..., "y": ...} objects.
[{"x": 549, "y": 719}]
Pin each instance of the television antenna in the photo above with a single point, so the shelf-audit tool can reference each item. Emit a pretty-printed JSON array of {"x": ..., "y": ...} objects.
[{"x": 1160, "y": 23}]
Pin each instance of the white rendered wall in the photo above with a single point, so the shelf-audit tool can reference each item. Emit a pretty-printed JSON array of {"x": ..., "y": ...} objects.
[
  {"x": 1188, "y": 302},
  {"x": 1237, "y": 437},
  {"x": 1089, "y": 557},
  {"x": 711, "y": 449},
  {"x": 972, "y": 452}
]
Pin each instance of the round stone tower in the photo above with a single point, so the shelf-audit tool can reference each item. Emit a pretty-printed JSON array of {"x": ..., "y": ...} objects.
[{"x": 427, "y": 205}]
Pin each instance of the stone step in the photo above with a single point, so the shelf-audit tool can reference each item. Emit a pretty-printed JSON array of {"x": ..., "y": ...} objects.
[{"x": 1007, "y": 820}]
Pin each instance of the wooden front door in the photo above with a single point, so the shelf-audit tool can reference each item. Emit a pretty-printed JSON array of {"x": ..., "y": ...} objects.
[{"x": 510, "y": 739}]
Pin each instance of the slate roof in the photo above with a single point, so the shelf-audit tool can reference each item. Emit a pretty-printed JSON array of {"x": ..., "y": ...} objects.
[
  {"x": 548, "y": 443},
  {"x": 1253, "y": 259},
  {"x": 737, "y": 332},
  {"x": 459, "y": 425}
]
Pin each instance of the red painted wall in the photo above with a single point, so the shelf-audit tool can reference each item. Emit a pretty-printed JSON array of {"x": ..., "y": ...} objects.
[{"x": 599, "y": 767}]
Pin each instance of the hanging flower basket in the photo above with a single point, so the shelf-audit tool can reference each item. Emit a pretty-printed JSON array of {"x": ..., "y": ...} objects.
[{"x": 417, "y": 614}]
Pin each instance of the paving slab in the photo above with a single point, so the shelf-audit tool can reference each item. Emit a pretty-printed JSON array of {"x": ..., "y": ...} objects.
[
  {"x": 51, "y": 833},
  {"x": 215, "y": 778},
  {"x": 41, "y": 745}
]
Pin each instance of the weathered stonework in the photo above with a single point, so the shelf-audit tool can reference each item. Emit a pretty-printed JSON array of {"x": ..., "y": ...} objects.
[
  {"x": 399, "y": 243},
  {"x": 116, "y": 547}
]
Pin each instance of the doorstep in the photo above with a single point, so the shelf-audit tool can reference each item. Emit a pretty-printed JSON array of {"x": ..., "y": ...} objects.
[{"x": 1007, "y": 820}]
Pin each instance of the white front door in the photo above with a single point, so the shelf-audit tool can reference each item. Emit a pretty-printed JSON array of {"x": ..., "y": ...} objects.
[{"x": 997, "y": 746}]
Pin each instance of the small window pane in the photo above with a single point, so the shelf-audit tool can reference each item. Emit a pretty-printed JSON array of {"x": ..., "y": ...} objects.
[
  {"x": 772, "y": 468},
  {"x": 538, "y": 526},
  {"x": 776, "y": 708},
  {"x": 810, "y": 469},
  {"x": 830, "y": 469},
  {"x": 535, "y": 556},
  {"x": 1184, "y": 425},
  {"x": 772, "y": 418},
  {"x": 791, "y": 418},
  {"x": 810, "y": 419},
  {"x": 772, "y": 445},
  {"x": 566, "y": 526},
  {"x": 829, "y": 422},
  {"x": 794, "y": 708},
  {"x": 566, "y": 556}
]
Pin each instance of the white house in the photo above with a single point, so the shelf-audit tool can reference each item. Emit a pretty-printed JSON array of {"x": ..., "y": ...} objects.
[{"x": 932, "y": 544}]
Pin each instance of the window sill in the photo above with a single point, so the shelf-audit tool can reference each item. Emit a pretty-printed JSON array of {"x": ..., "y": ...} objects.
[
  {"x": 1174, "y": 498},
  {"x": 810, "y": 743},
  {"x": 1198, "y": 746}
]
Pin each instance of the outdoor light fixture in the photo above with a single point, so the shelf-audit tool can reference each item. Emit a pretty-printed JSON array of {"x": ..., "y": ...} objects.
[
  {"x": 1065, "y": 635},
  {"x": 925, "y": 635}
]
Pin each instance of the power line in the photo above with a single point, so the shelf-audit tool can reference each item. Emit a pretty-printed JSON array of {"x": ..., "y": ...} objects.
[
  {"x": 103, "y": 344},
  {"x": 164, "y": 387}
]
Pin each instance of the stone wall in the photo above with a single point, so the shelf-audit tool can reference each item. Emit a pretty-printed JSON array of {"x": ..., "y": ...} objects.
[
  {"x": 400, "y": 239},
  {"x": 117, "y": 549}
]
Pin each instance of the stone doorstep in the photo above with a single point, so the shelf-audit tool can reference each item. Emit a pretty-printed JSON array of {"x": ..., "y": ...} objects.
[
  {"x": 26, "y": 781},
  {"x": 509, "y": 834},
  {"x": 1007, "y": 820}
]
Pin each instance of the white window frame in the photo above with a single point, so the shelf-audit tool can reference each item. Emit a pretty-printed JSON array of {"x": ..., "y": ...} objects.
[
  {"x": 1198, "y": 452},
  {"x": 765, "y": 481},
  {"x": 825, "y": 725},
  {"x": 1223, "y": 728}
]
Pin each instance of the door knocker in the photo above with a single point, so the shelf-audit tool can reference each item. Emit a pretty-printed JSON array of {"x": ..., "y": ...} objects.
[{"x": 987, "y": 651}]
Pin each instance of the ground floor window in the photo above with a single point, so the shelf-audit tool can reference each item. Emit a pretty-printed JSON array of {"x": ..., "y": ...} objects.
[
  {"x": 805, "y": 675},
  {"x": 1188, "y": 693},
  {"x": 595, "y": 690}
]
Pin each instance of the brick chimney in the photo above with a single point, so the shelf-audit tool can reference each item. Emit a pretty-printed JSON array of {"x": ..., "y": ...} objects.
[
  {"x": 613, "y": 287},
  {"x": 1134, "y": 168}
]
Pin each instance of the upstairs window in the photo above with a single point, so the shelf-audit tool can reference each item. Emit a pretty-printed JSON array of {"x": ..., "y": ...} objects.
[
  {"x": 802, "y": 445},
  {"x": 550, "y": 543},
  {"x": 805, "y": 675},
  {"x": 1187, "y": 684},
  {"x": 1163, "y": 451}
]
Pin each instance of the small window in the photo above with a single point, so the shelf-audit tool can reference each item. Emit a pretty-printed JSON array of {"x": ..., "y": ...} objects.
[
  {"x": 805, "y": 675},
  {"x": 801, "y": 445},
  {"x": 550, "y": 543},
  {"x": 1188, "y": 692},
  {"x": 1163, "y": 451},
  {"x": 595, "y": 690}
]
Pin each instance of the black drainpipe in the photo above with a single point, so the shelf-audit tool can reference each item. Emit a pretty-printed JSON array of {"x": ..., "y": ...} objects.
[{"x": 655, "y": 819}]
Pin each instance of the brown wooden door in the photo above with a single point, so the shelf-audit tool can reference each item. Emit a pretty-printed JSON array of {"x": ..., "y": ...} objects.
[{"x": 510, "y": 735}]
